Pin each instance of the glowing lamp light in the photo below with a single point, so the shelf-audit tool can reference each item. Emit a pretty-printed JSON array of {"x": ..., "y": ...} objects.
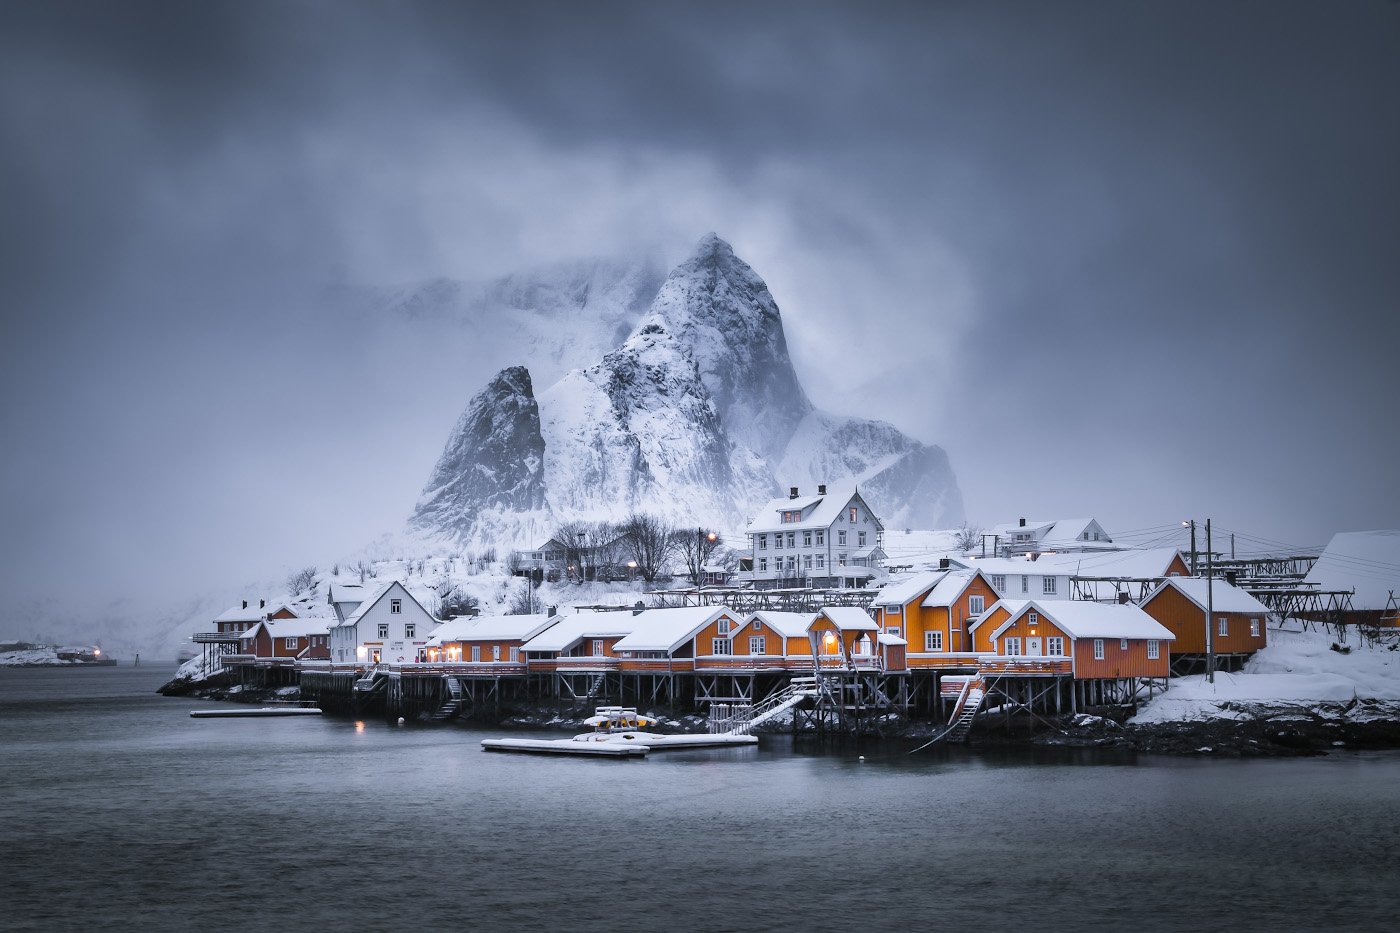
[
  {"x": 96, "y": 651},
  {"x": 360, "y": 652}
]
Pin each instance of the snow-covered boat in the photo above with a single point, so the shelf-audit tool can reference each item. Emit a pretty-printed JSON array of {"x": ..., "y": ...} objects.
[{"x": 618, "y": 731}]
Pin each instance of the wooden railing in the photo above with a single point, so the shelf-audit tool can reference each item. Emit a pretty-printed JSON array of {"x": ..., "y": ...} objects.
[{"x": 995, "y": 664}]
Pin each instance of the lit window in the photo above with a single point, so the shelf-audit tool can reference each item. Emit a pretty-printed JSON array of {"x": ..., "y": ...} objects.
[
  {"x": 1154, "y": 650},
  {"x": 383, "y": 629},
  {"x": 853, "y": 513},
  {"x": 975, "y": 605},
  {"x": 396, "y": 606},
  {"x": 1224, "y": 627},
  {"x": 757, "y": 644},
  {"x": 722, "y": 646},
  {"x": 1254, "y": 628},
  {"x": 1098, "y": 649},
  {"x": 1012, "y": 647},
  {"x": 933, "y": 641},
  {"x": 1047, "y": 586}
]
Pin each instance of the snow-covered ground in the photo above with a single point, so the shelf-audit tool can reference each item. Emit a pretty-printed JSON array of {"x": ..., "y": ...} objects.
[
  {"x": 1297, "y": 668},
  {"x": 42, "y": 656}
]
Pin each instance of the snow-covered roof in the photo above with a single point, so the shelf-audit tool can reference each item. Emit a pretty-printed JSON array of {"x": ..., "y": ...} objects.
[
  {"x": 668, "y": 629},
  {"x": 1006, "y": 529},
  {"x": 490, "y": 628},
  {"x": 1365, "y": 561},
  {"x": 885, "y": 638},
  {"x": 787, "y": 624},
  {"x": 1223, "y": 596},
  {"x": 347, "y": 592},
  {"x": 849, "y": 618},
  {"x": 1012, "y": 606},
  {"x": 820, "y": 511},
  {"x": 569, "y": 629},
  {"x": 1134, "y": 563},
  {"x": 1085, "y": 619},
  {"x": 1062, "y": 531},
  {"x": 1012, "y": 566},
  {"x": 291, "y": 628},
  {"x": 901, "y": 591},
  {"x": 241, "y": 614},
  {"x": 949, "y": 588},
  {"x": 369, "y": 602}
]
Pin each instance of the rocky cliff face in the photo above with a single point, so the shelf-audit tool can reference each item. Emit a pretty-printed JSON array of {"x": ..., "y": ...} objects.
[{"x": 698, "y": 416}]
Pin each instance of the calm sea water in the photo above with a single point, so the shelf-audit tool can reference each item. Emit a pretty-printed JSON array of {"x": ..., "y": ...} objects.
[{"x": 122, "y": 812}]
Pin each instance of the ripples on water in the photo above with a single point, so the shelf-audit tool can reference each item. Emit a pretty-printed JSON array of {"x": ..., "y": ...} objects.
[{"x": 123, "y": 812}]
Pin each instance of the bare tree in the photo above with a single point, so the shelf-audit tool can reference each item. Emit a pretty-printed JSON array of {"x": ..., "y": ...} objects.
[
  {"x": 365, "y": 569},
  {"x": 302, "y": 581},
  {"x": 694, "y": 546},
  {"x": 649, "y": 541},
  {"x": 967, "y": 537},
  {"x": 523, "y": 601}
]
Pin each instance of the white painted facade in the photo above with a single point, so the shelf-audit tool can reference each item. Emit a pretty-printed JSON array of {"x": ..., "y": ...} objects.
[
  {"x": 390, "y": 627},
  {"x": 830, "y": 539}
]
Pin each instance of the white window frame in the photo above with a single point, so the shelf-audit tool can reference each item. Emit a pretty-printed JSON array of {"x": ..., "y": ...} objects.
[
  {"x": 1223, "y": 627},
  {"x": 758, "y": 644},
  {"x": 999, "y": 582},
  {"x": 840, "y": 539},
  {"x": 841, "y": 559},
  {"x": 860, "y": 539},
  {"x": 476, "y": 654},
  {"x": 778, "y": 541},
  {"x": 806, "y": 561},
  {"x": 821, "y": 561},
  {"x": 757, "y": 625},
  {"x": 722, "y": 646},
  {"x": 410, "y": 629},
  {"x": 514, "y": 655},
  {"x": 976, "y": 605},
  {"x": 1011, "y": 647},
  {"x": 598, "y": 648},
  {"x": 933, "y": 641},
  {"x": 1025, "y": 583},
  {"x": 1055, "y": 646},
  {"x": 495, "y": 652},
  {"x": 763, "y": 542},
  {"x": 892, "y": 630},
  {"x": 1098, "y": 649},
  {"x": 395, "y": 606},
  {"x": 290, "y": 642},
  {"x": 821, "y": 538},
  {"x": 1254, "y": 628},
  {"x": 1154, "y": 649},
  {"x": 1047, "y": 585},
  {"x": 763, "y": 565},
  {"x": 722, "y": 626},
  {"x": 806, "y": 539},
  {"x": 1122, "y": 644},
  {"x": 792, "y": 539},
  {"x": 853, "y": 515},
  {"x": 383, "y": 630}
]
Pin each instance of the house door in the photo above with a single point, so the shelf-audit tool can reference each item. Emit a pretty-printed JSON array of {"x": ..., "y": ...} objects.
[
  {"x": 374, "y": 656},
  {"x": 1033, "y": 647}
]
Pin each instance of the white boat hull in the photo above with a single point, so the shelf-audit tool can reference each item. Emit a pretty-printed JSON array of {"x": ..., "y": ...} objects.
[{"x": 245, "y": 713}]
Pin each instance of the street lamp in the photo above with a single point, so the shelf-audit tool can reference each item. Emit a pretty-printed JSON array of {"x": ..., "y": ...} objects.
[
  {"x": 700, "y": 538},
  {"x": 631, "y": 569}
]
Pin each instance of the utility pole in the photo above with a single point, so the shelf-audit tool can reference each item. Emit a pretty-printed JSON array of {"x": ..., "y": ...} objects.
[
  {"x": 1232, "y": 545},
  {"x": 1192, "y": 523},
  {"x": 1210, "y": 609}
]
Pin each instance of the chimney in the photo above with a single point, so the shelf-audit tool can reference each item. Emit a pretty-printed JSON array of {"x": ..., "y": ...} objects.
[
  {"x": 552, "y": 611},
  {"x": 262, "y": 604},
  {"x": 1023, "y": 523},
  {"x": 1123, "y": 599},
  {"x": 245, "y": 604},
  {"x": 821, "y": 489},
  {"x": 792, "y": 492},
  {"x": 942, "y": 563},
  {"x": 1035, "y": 555},
  {"x": 639, "y": 608}
]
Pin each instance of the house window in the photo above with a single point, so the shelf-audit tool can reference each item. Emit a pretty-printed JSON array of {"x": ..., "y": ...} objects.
[
  {"x": 1033, "y": 618},
  {"x": 763, "y": 542},
  {"x": 806, "y": 539},
  {"x": 852, "y": 514},
  {"x": 975, "y": 605},
  {"x": 396, "y": 606},
  {"x": 1096, "y": 536},
  {"x": 722, "y": 626},
  {"x": 757, "y": 625},
  {"x": 410, "y": 629},
  {"x": 792, "y": 539},
  {"x": 383, "y": 629},
  {"x": 999, "y": 582},
  {"x": 821, "y": 538},
  {"x": 1025, "y": 584},
  {"x": 841, "y": 538},
  {"x": 892, "y": 630},
  {"x": 1098, "y": 649},
  {"x": 476, "y": 652},
  {"x": 1224, "y": 627},
  {"x": 806, "y": 561},
  {"x": 933, "y": 641},
  {"x": 756, "y": 644},
  {"x": 1122, "y": 644},
  {"x": 597, "y": 647},
  {"x": 1013, "y": 647},
  {"x": 1055, "y": 646},
  {"x": 495, "y": 652},
  {"x": 860, "y": 539},
  {"x": 1254, "y": 628},
  {"x": 821, "y": 561},
  {"x": 724, "y": 646},
  {"x": 841, "y": 559},
  {"x": 1047, "y": 586},
  {"x": 778, "y": 542},
  {"x": 1154, "y": 649},
  {"x": 289, "y": 643},
  {"x": 763, "y": 565},
  {"x": 792, "y": 564},
  {"x": 514, "y": 655}
]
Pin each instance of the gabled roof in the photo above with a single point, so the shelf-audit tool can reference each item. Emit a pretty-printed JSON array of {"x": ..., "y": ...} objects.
[
  {"x": 903, "y": 591},
  {"x": 291, "y": 628},
  {"x": 1223, "y": 596},
  {"x": 372, "y": 600},
  {"x": 1134, "y": 563},
  {"x": 848, "y": 619},
  {"x": 347, "y": 592},
  {"x": 787, "y": 624},
  {"x": 241, "y": 614},
  {"x": 820, "y": 511},
  {"x": 1062, "y": 531},
  {"x": 565, "y": 633},
  {"x": 1013, "y": 606},
  {"x": 668, "y": 629},
  {"x": 1367, "y": 562},
  {"x": 491, "y": 628},
  {"x": 1085, "y": 619},
  {"x": 1013, "y": 566},
  {"x": 948, "y": 590}
]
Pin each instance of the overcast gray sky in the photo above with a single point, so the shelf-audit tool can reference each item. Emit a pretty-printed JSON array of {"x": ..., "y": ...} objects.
[{"x": 1139, "y": 261}]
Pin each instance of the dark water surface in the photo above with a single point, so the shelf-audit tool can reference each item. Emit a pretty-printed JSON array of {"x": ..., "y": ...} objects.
[{"x": 122, "y": 812}]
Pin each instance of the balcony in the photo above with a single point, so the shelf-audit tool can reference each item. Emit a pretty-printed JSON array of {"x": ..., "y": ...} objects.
[{"x": 1026, "y": 667}]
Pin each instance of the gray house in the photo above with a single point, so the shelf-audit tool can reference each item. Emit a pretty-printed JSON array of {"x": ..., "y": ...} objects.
[{"x": 831, "y": 539}]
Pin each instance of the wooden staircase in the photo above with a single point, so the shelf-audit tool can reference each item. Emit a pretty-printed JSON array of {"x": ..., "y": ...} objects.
[
  {"x": 969, "y": 704},
  {"x": 455, "y": 700}
]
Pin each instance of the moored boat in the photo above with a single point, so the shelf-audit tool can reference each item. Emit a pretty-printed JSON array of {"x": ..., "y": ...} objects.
[{"x": 617, "y": 732}]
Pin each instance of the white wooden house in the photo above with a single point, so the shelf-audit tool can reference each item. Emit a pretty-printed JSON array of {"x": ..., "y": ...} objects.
[
  {"x": 389, "y": 626},
  {"x": 831, "y": 539}
]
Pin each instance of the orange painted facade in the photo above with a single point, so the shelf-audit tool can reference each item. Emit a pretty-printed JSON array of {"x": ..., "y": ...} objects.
[
  {"x": 461, "y": 650},
  {"x": 1187, "y": 622},
  {"x": 1118, "y": 661},
  {"x": 738, "y": 632},
  {"x": 263, "y": 645},
  {"x": 915, "y": 621},
  {"x": 982, "y": 635}
]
